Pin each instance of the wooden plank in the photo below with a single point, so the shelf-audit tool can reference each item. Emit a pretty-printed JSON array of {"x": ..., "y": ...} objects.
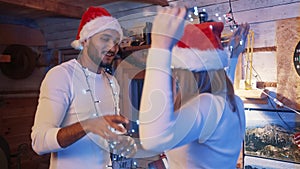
[
  {"x": 269, "y": 14},
  {"x": 252, "y": 8},
  {"x": 19, "y": 112},
  {"x": 200, "y": 3},
  {"x": 56, "y": 20},
  {"x": 50, "y": 6},
  {"x": 252, "y": 96},
  {"x": 124, "y": 7},
  {"x": 136, "y": 13},
  {"x": 60, "y": 44},
  {"x": 266, "y": 84},
  {"x": 24, "y": 112},
  {"x": 264, "y": 34},
  {"x": 54, "y": 25},
  {"x": 31, "y": 83},
  {"x": 120, "y": 7},
  {"x": 61, "y": 35},
  {"x": 155, "y": 2},
  {"x": 265, "y": 49},
  {"x": 10, "y": 34},
  {"x": 16, "y": 126}
]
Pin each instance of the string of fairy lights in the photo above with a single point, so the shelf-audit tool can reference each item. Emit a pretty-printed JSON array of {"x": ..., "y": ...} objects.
[
  {"x": 228, "y": 19},
  {"x": 202, "y": 16}
]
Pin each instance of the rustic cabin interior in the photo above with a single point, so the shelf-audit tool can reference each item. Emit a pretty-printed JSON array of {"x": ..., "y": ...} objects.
[{"x": 35, "y": 36}]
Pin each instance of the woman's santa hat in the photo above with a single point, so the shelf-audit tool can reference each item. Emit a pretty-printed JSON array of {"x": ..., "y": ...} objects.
[
  {"x": 200, "y": 48},
  {"x": 95, "y": 20}
]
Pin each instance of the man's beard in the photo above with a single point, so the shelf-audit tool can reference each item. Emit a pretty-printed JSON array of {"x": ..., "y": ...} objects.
[
  {"x": 100, "y": 62},
  {"x": 105, "y": 64},
  {"x": 107, "y": 67}
]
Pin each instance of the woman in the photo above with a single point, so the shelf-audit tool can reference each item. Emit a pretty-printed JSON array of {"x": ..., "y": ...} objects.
[{"x": 207, "y": 129}]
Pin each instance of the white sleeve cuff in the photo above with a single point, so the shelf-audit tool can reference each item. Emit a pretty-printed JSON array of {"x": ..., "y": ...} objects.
[{"x": 52, "y": 137}]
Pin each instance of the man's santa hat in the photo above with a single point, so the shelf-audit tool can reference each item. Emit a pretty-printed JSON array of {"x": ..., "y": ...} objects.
[
  {"x": 200, "y": 48},
  {"x": 95, "y": 20}
]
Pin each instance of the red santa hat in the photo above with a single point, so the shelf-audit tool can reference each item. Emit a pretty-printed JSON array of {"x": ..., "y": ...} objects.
[
  {"x": 200, "y": 48},
  {"x": 95, "y": 20}
]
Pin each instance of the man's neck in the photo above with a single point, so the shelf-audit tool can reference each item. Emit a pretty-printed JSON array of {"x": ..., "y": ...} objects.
[{"x": 86, "y": 62}]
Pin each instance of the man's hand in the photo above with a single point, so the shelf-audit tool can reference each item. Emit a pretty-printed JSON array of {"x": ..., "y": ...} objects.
[
  {"x": 124, "y": 146},
  {"x": 101, "y": 126},
  {"x": 104, "y": 125}
]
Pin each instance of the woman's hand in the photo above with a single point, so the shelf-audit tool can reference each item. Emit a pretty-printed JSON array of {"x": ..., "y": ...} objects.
[
  {"x": 168, "y": 27},
  {"x": 238, "y": 40}
]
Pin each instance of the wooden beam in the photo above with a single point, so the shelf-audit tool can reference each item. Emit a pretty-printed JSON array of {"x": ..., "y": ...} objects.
[
  {"x": 22, "y": 35},
  {"x": 55, "y": 7},
  {"x": 263, "y": 49},
  {"x": 2, "y": 92},
  {"x": 66, "y": 8},
  {"x": 155, "y": 2}
]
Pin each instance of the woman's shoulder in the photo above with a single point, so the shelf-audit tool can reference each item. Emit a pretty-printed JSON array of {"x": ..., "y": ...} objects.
[
  {"x": 212, "y": 100},
  {"x": 239, "y": 101}
]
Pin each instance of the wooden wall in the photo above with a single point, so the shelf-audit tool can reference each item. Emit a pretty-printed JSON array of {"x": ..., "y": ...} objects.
[
  {"x": 263, "y": 16},
  {"x": 16, "y": 119}
]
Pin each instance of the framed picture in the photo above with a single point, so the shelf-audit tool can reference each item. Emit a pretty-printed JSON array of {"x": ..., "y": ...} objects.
[
  {"x": 252, "y": 162},
  {"x": 269, "y": 139}
]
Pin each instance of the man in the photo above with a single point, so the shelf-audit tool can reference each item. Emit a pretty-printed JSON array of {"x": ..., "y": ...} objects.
[{"x": 78, "y": 112}]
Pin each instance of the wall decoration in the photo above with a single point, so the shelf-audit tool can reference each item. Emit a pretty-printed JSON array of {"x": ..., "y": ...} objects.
[
  {"x": 269, "y": 135},
  {"x": 287, "y": 37}
]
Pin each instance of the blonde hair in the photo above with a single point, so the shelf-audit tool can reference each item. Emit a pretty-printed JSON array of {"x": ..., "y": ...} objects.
[{"x": 189, "y": 84}]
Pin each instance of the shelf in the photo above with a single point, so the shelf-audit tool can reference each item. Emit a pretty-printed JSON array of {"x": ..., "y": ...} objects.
[
  {"x": 134, "y": 48},
  {"x": 252, "y": 96},
  {"x": 126, "y": 51}
]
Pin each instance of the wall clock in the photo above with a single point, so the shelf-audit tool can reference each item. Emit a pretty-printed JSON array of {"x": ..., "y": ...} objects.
[{"x": 297, "y": 58}]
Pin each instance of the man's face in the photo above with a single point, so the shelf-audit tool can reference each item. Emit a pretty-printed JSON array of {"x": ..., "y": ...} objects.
[{"x": 103, "y": 46}]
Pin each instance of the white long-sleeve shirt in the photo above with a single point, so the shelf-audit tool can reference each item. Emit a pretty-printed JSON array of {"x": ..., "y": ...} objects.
[
  {"x": 65, "y": 99},
  {"x": 188, "y": 131}
]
